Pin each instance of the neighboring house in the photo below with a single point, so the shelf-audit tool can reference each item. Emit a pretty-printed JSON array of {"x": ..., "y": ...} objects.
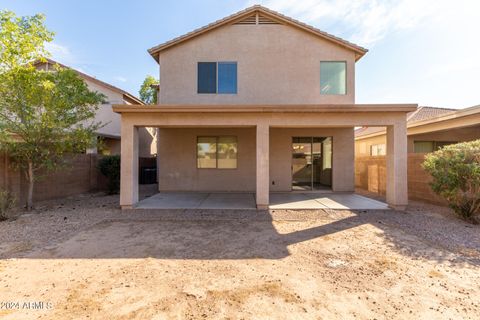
[
  {"x": 110, "y": 133},
  {"x": 428, "y": 129},
  {"x": 82, "y": 174},
  {"x": 259, "y": 102}
]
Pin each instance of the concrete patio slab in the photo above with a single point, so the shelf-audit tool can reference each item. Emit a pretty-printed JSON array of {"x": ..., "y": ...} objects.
[
  {"x": 294, "y": 201},
  {"x": 349, "y": 201},
  {"x": 229, "y": 201},
  {"x": 299, "y": 201},
  {"x": 173, "y": 200}
]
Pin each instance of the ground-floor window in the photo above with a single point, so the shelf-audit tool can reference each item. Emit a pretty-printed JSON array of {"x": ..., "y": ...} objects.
[
  {"x": 429, "y": 146},
  {"x": 217, "y": 152}
]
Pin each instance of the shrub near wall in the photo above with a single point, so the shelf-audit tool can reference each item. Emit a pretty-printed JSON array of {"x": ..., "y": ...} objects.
[
  {"x": 109, "y": 166},
  {"x": 7, "y": 201},
  {"x": 455, "y": 170}
]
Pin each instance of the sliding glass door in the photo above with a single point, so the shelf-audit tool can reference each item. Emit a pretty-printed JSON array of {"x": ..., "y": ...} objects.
[{"x": 311, "y": 163}]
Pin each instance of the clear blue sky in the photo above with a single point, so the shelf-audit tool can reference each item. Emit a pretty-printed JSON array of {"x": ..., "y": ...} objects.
[{"x": 421, "y": 51}]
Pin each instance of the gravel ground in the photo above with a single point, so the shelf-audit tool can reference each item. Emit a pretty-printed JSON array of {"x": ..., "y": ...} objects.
[
  {"x": 56, "y": 220},
  {"x": 92, "y": 260}
]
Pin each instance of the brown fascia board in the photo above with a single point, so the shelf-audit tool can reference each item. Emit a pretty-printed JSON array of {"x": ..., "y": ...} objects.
[
  {"x": 360, "y": 51},
  {"x": 129, "y": 96},
  {"x": 301, "y": 108}
]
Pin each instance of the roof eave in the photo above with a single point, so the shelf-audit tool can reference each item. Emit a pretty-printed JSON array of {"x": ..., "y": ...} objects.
[{"x": 286, "y": 108}]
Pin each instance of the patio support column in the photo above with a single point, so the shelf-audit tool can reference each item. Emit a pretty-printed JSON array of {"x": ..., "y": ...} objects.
[
  {"x": 397, "y": 187},
  {"x": 129, "y": 166},
  {"x": 263, "y": 177}
]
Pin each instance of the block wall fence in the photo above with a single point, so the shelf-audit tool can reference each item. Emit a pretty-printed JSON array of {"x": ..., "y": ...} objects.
[{"x": 370, "y": 174}]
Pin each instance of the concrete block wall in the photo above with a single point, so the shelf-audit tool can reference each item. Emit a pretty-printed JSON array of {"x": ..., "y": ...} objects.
[
  {"x": 80, "y": 176},
  {"x": 370, "y": 174},
  {"x": 419, "y": 179}
]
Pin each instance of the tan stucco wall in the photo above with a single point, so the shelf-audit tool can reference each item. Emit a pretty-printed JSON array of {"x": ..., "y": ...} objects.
[
  {"x": 177, "y": 161},
  {"x": 453, "y": 135},
  {"x": 277, "y": 64},
  {"x": 147, "y": 142},
  {"x": 178, "y": 170},
  {"x": 133, "y": 118}
]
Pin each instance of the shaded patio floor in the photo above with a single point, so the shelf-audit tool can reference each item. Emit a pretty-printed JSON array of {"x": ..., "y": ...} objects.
[{"x": 293, "y": 200}]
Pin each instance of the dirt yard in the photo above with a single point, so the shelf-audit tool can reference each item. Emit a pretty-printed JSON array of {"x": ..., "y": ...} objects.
[{"x": 84, "y": 258}]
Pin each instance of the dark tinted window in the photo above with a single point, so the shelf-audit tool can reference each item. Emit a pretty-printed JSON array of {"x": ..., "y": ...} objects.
[{"x": 207, "y": 77}]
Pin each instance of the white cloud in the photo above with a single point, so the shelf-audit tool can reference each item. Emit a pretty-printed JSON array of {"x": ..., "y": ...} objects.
[
  {"x": 120, "y": 79},
  {"x": 363, "y": 21},
  {"x": 60, "y": 52},
  {"x": 435, "y": 63}
]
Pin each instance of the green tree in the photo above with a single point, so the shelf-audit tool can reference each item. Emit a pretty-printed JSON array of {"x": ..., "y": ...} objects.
[
  {"x": 149, "y": 90},
  {"x": 43, "y": 114},
  {"x": 22, "y": 39},
  {"x": 455, "y": 170}
]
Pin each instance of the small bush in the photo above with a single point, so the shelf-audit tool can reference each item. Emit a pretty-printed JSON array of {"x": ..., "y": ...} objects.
[
  {"x": 456, "y": 177},
  {"x": 7, "y": 201},
  {"x": 110, "y": 167}
]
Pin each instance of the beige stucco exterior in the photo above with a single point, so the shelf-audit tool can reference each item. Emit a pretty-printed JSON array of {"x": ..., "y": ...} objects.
[
  {"x": 273, "y": 131},
  {"x": 178, "y": 169},
  {"x": 277, "y": 64},
  {"x": 278, "y": 97}
]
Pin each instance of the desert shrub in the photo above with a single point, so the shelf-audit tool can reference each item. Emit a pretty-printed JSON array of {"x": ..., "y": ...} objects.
[
  {"x": 7, "y": 201},
  {"x": 109, "y": 166},
  {"x": 456, "y": 176}
]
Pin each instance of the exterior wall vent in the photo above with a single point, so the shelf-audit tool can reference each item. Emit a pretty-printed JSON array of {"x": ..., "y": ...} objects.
[
  {"x": 265, "y": 20},
  {"x": 256, "y": 19},
  {"x": 248, "y": 20}
]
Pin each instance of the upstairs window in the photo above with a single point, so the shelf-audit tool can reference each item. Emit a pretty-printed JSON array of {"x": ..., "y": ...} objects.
[
  {"x": 333, "y": 78},
  {"x": 207, "y": 77},
  {"x": 217, "y": 77}
]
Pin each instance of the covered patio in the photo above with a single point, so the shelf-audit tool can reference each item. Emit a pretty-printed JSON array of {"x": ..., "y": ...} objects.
[
  {"x": 268, "y": 123},
  {"x": 280, "y": 200}
]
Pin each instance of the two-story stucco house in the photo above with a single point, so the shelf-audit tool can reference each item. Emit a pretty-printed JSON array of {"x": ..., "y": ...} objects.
[{"x": 259, "y": 102}]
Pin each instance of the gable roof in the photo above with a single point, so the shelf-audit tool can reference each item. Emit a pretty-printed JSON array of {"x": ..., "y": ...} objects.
[
  {"x": 421, "y": 114},
  {"x": 126, "y": 96},
  {"x": 359, "y": 51}
]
